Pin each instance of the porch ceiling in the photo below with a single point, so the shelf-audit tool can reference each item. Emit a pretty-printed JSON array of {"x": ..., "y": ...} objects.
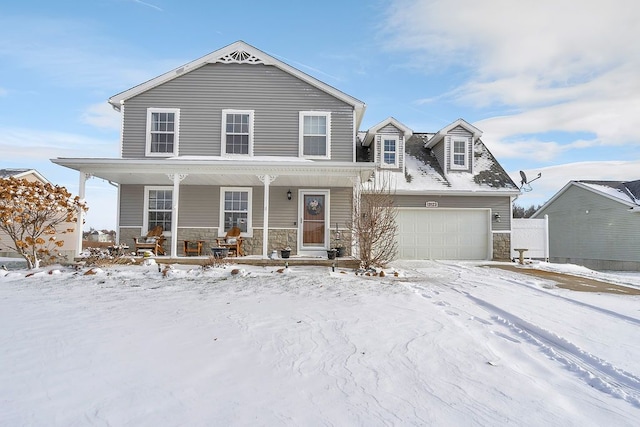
[{"x": 227, "y": 173}]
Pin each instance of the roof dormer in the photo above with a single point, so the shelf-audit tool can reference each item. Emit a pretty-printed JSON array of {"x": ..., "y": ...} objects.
[
  {"x": 386, "y": 141},
  {"x": 453, "y": 146}
]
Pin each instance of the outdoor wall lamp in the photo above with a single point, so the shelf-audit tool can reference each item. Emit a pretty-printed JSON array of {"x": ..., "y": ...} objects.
[
  {"x": 289, "y": 195},
  {"x": 497, "y": 217}
]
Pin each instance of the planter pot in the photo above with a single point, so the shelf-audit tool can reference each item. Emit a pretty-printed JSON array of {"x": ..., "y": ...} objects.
[
  {"x": 331, "y": 254},
  {"x": 285, "y": 253},
  {"x": 340, "y": 252},
  {"x": 220, "y": 252}
]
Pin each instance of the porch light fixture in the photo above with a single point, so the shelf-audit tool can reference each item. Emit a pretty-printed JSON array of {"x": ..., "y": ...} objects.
[
  {"x": 289, "y": 195},
  {"x": 497, "y": 217}
]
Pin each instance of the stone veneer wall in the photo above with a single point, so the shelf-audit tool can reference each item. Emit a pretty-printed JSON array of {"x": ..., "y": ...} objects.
[
  {"x": 279, "y": 238},
  {"x": 501, "y": 246}
]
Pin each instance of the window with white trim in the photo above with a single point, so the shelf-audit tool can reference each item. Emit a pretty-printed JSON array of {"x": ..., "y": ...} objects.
[
  {"x": 389, "y": 146},
  {"x": 158, "y": 202},
  {"x": 235, "y": 209},
  {"x": 315, "y": 134},
  {"x": 459, "y": 154},
  {"x": 237, "y": 132},
  {"x": 162, "y": 131}
]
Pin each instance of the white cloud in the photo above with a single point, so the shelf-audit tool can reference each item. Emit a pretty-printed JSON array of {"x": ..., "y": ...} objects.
[
  {"x": 103, "y": 116},
  {"x": 18, "y": 144},
  {"x": 550, "y": 65}
]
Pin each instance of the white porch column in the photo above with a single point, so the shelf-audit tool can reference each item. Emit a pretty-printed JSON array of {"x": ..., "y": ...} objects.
[
  {"x": 175, "y": 200},
  {"x": 357, "y": 194},
  {"x": 266, "y": 180},
  {"x": 82, "y": 184}
]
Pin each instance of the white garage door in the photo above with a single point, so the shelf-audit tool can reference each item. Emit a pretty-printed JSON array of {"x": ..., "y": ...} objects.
[{"x": 443, "y": 234}]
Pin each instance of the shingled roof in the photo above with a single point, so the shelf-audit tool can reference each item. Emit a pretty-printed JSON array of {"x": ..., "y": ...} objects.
[{"x": 423, "y": 172}]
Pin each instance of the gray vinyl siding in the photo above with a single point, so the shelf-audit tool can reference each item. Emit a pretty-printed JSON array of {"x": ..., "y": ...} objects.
[
  {"x": 438, "y": 151},
  {"x": 275, "y": 97},
  {"x": 456, "y": 133},
  {"x": 341, "y": 203},
  {"x": 131, "y": 205},
  {"x": 499, "y": 204},
  {"x": 199, "y": 206},
  {"x": 390, "y": 130},
  {"x": 608, "y": 232}
]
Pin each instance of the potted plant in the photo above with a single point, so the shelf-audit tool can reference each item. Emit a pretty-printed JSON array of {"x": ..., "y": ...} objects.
[
  {"x": 331, "y": 254},
  {"x": 285, "y": 253},
  {"x": 339, "y": 251}
]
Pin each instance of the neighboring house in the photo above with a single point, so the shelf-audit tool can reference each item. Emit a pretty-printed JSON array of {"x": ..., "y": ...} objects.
[
  {"x": 98, "y": 236},
  {"x": 239, "y": 138},
  {"x": 595, "y": 224},
  {"x": 71, "y": 239}
]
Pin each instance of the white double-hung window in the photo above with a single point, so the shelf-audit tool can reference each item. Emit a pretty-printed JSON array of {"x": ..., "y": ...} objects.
[
  {"x": 389, "y": 145},
  {"x": 315, "y": 134},
  {"x": 237, "y": 132},
  {"x": 158, "y": 202},
  {"x": 163, "y": 126},
  {"x": 459, "y": 154},
  {"x": 235, "y": 209}
]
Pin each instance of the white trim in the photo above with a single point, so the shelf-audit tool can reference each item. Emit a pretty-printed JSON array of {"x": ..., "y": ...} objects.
[
  {"x": 302, "y": 115},
  {"x": 176, "y": 132},
  {"x": 373, "y": 131},
  {"x": 386, "y": 136},
  {"x": 144, "y": 229},
  {"x": 477, "y": 133},
  {"x": 314, "y": 250},
  {"x": 223, "y": 136},
  {"x": 452, "y": 145},
  {"x": 249, "y": 232}
]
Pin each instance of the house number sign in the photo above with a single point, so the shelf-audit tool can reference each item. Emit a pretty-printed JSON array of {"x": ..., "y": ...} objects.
[{"x": 432, "y": 204}]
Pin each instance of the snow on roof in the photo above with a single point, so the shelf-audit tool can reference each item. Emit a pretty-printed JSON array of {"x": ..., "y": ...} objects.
[{"x": 424, "y": 174}]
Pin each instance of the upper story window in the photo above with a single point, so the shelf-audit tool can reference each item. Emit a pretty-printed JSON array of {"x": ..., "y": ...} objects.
[
  {"x": 389, "y": 145},
  {"x": 315, "y": 134},
  {"x": 237, "y": 132},
  {"x": 459, "y": 154},
  {"x": 162, "y": 131},
  {"x": 158, "y": 206},
  {"x": 235, "y": 209}
]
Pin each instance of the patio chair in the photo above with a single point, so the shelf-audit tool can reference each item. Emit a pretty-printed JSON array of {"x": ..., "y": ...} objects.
[
  {"x": 232, "y": 241},
  {"x": 153, "y": 241}
]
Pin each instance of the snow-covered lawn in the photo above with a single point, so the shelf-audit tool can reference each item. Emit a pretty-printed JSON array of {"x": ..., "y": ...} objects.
[{"x": 446, "y": 344}]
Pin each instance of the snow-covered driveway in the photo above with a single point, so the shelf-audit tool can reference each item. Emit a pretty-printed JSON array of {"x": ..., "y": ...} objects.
[{"x": 442, "y": 344}]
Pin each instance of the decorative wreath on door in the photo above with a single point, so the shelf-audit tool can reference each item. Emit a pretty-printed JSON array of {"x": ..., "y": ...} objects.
[{"x": 314, "y": 207}]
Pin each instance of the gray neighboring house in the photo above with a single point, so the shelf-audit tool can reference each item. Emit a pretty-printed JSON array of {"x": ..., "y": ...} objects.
[
  {"x": 239, "y": 138},
  {"x": 595, "y": 224}
]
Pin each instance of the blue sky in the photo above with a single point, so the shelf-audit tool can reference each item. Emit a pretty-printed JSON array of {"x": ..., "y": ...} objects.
[{"x": 553, "y": 84}]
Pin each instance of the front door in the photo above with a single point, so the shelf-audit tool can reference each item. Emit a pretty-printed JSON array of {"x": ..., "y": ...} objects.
[{"x": 314, "y": 215}]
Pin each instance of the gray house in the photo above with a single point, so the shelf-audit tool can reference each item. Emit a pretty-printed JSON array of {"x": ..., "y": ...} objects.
[
  {"x": 595, "y": 224},
  {"x": 239, "y": 138}
]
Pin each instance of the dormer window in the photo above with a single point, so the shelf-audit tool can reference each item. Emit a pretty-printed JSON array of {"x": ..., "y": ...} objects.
[
  {"x": 459, "y": 154},
  {"x": 389, "y": 145}
]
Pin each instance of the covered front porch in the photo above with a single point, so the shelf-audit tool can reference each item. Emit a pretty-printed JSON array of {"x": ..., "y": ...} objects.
[{"x": 290, "y": 202}]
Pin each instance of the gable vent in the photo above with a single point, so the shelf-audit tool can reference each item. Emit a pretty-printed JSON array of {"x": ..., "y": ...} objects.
[{"x": 240, "y": 57}]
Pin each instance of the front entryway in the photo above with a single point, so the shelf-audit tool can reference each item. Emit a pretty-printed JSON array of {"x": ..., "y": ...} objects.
[{"x": 314, "y": 219}]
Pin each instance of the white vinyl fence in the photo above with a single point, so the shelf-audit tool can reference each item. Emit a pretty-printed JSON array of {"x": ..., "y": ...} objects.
[{"x": 530, "y": 234}]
